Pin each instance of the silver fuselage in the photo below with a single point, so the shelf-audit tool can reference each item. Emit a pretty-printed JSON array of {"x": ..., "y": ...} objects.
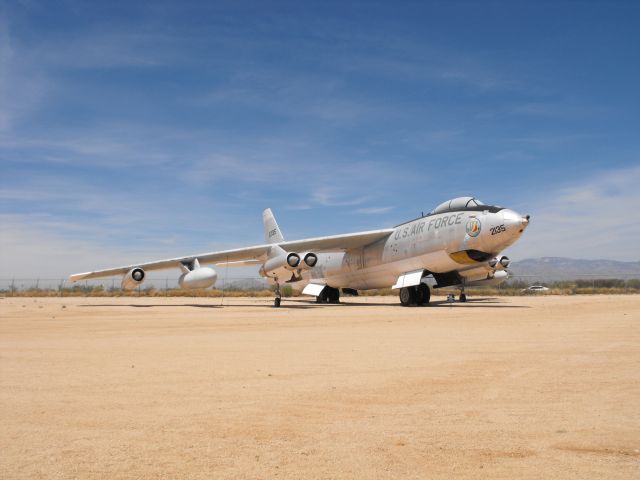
[{"x": 438, "y": 243}]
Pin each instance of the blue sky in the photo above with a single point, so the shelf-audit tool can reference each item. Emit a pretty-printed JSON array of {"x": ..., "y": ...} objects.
[{"x": 138, "y": 130}]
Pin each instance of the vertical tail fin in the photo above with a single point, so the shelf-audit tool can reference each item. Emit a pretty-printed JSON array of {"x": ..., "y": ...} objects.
[{"x": 272, "y": 233}]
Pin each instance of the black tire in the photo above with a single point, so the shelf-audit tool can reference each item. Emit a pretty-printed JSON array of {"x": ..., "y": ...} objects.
[
  {"x": 323, "y": 297},
  {"x": 276, "y": 303},
  {"x": 423, "y": 294},
  {"x": 463, "y": 297},
  {"x": 408, "y": 296},
  {"x": 333, "y": 295}
]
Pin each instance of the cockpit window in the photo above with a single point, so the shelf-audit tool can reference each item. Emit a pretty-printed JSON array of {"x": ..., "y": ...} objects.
[
  {"x": 462, "y": 204},
  {"x": 474, "y": 202}
]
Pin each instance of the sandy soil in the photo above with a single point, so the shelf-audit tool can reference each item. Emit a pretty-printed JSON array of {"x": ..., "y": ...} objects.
[{"x": 544, "y": 387}]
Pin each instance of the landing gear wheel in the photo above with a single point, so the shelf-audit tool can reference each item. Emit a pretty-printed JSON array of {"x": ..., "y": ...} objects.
[
  {"x": 408, "y": 296},
  {"x": 463, "y": 297},
  {"x": 322, "y": 298},
  {"x": 276, "y": 303},
  {"x": 423, "y": 294},
  {"x": 333, "y": 295},
  {"x": 329, "y": 295}
]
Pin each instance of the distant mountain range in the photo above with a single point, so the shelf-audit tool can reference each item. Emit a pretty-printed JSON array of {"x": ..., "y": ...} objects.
[{"x": 560, "y": 268}]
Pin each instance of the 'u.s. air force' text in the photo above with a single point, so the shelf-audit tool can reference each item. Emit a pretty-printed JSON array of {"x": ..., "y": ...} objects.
[{"x": 434, "y": 223}]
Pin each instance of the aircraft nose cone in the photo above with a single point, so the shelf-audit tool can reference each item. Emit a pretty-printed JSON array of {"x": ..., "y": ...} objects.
[
  {"x": 511, "y": 217},
  {"x": 515, "y": 221}
]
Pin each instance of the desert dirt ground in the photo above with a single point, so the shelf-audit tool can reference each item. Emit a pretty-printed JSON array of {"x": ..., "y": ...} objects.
[{"x": 180, "y": 388}]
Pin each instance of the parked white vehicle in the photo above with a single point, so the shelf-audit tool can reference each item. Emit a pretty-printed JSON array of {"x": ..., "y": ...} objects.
[{"x": 535, "y": 288}]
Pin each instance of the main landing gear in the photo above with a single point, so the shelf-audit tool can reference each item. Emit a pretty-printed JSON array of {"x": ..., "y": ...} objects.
[
  {"x": 415, "y": 296},
  {"x": 329, "y": 295}
]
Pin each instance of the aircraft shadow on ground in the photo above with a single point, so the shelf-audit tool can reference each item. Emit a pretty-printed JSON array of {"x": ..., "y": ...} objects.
[
  {"x": 475, "y": 304},
  {"x": 470, "y": 303},
  {"x": 490, "y": 302},
  {"x": 194, "y": 305},
  {"x": 139, "y": 305}
]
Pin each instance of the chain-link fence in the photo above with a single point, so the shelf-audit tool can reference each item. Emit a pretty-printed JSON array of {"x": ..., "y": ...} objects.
[{"x": 112, "y": 286}]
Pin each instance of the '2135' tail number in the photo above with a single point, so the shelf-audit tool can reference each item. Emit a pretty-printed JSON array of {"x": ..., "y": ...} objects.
[{"x": 498, "y": 229}]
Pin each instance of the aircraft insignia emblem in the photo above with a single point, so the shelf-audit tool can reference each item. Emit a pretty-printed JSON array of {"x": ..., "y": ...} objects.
[{"x": 473, "y": 227}]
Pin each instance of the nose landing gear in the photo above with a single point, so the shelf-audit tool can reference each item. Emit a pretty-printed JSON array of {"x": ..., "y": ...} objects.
[{"x": 463, "y": 296}]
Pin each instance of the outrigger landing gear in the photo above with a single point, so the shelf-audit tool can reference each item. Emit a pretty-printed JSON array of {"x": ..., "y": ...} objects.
[
  {"x": 463, "y": 296},
  {"x": 278, "y": 299}
]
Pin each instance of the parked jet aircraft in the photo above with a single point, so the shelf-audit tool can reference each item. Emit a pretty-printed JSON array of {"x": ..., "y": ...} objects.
[{"x": 457, "y": 244}]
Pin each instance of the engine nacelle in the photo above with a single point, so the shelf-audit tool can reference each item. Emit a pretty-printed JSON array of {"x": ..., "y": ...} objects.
[
  {"x": 133, "y": 279},
  {"x": 202, "y": 277},
  {"x": 277, "y": 267},
  {"x": 309, "y": 260},
  {"x": 293, "y": 261},
  {"x": 288, "y": 265},
  {"x": 500, "y": 263}
]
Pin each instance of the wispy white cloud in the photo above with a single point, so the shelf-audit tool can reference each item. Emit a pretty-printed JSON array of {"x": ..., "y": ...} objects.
[
  {"x": 107, "y": 49},
  {"x": 37, "y": 250},
  {"x": 335, "y": 196},
  {"x": 594, "y": 218},
  {"x": 22, "y": 85},
  {"x": 105, "y": 147},
  {"x": 405, "y": 62},
  {"x": 373, "y": 210},
  {"x": 293, "y": 95},
  {"x": 242, "y": 166}
]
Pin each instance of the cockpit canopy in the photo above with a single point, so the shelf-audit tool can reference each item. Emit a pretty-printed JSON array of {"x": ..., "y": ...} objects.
[{"x": 463, "y": 204}]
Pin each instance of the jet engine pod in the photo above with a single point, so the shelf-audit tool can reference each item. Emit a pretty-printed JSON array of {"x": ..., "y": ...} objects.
[
  {"x": 504, "y": 261},
  {"x": 202, "y": 277},
  {"x": 293, "y": 260},
  {"x": 309, "y": 259},
  {"x": 275, "y": 267},
  {"x": 133, "y": 279},
  {"x": 282, "y": 266}
]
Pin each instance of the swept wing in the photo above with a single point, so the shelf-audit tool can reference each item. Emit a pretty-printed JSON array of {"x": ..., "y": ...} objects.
[
  {"x": 337, "y": 243},
  {"x": 250, "y": 255}
]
